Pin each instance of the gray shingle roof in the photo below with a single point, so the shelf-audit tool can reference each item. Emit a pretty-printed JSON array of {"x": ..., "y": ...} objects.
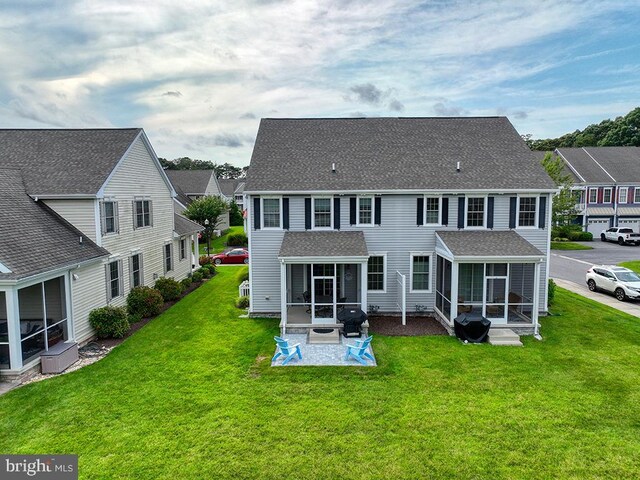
[
  {"x": 323, "y": 244},
  {"x": 488, "y": 244},
  {"x": 64, "y": 162},
  {"x": 228, "y": 186},
  {"x": 191, "y": 182},
  {"x": 380, "y": 154},
  {"x": 33, "y": 238},
  {"x": 184, "y": 226},
  {"x": 622, "y": 163}
]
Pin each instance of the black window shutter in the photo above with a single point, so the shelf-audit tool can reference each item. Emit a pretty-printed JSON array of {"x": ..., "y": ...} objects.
[
  {"x": 445, "y": 211},
  {"x": 542, "y": 212},
  {"x": 420, "y": 211},
  {"x": 512, "y": 211},
  {"x": 256, "y": 213},
  {"x": 285, "y": 213},
  {"x": 307, "y": 213},
  {"x": 352, "y": 210},
  {"x": 490, "y": 212},
  {"x": 378, "y": 210},
  {"x": 336, "y": 213},
  {"x": 460, "y": 212}
]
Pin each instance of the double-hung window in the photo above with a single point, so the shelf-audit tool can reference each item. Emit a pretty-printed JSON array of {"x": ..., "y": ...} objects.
[
  {"x": 432, "y": 210},
  {"x": 593, "y": 195},
  {"x": 271, "y": 217},
  {"x": 114, "y": 279},
  {"x": 606, "y": 195},
  {"x": 527, "y": 208},
  {"x": 623, "y": 194},
  {"x": 475, "y": 212},
  {"x": 420, "y": 272},
  {"x": 136, "y": 270},
  {"x": 141, "y": 213},
  {"x": 168, "y": 257},
  {"x": 109, "y": 213},
  {"x": 322, "y": 213},
  {"x": 636, "y": 195},
  {"x": 375, "y": 275},
  {"x": 365, "y": 210},
  {"x": 183, "y": 248}
]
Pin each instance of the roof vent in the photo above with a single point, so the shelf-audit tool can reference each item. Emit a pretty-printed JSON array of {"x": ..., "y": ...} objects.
[
  {"x": 333, "y": 167},
  {"x": 80, "y": 239},
  {"x": 458, "y": 167}
]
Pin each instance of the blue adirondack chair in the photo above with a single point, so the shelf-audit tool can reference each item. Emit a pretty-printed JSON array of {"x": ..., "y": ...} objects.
[
  {"x": 359, "y": 351},
  {"x": 286, "y": 350}
]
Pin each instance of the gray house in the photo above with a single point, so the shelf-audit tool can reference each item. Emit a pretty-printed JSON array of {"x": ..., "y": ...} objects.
[{"x": 397, "y": 215}]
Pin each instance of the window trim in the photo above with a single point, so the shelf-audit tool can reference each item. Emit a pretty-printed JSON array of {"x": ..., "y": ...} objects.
[
  {"x": 313, "y": 212},
  {"x": 604, "y": 191},
  {"x": 411, "y": 257},
  {"x": 384, "y": 272},
  {"x": 636, "y": 195},
  {"x": 164, "y": 257},
  {"x": 103, "y": 217},
  {"x": 424, "y": 213},
  {"x": 593, "y": 189},
  {"x": 262, "y": 212},
  {"x": 626, "y": 195},
  {"x": 373, "y": 211},
  {"x": 535, "y": 217},
  {"x": 135, "y": 212},
  {"x": 484, "y": 213}
]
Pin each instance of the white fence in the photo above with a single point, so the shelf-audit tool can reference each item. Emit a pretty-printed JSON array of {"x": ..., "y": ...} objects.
[
  {"x": 243, "y": 289},
  {"x": 401, "y": 296}
]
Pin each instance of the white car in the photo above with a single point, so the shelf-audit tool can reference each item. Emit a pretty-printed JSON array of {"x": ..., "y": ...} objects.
[
  {"x": 621, "y": 235},
  {"x": 620, "y": 281}
]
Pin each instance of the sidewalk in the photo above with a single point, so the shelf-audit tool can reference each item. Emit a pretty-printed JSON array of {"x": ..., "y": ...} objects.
[{"x": 632, "y": 308}]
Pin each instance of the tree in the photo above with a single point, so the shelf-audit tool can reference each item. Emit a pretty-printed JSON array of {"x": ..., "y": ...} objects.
[
  {"x": 235, "y": 215},
  {"x": 564, "y": 203},
  {"x": 226, "y": 170},
  {"x": 207, "y": 211}
]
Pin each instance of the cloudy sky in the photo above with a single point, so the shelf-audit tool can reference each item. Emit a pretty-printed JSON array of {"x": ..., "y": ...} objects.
[{"x": 198, "y": 75}]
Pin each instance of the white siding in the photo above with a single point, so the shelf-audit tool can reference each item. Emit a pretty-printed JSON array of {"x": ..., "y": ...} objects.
[
  {"x": 79, "y": 213},
  {"x": 87, "y": 292}
]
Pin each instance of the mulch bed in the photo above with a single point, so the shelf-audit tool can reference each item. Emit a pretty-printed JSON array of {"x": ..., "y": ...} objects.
[{"x": 415, "y": 326}]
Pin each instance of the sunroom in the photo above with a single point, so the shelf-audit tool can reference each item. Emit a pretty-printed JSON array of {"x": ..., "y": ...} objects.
[
  {"x": 321, "y": 273},
  {"x": 488, "y": 273}
]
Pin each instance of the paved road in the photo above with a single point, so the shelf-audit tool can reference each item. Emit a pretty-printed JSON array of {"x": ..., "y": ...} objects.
[{"x": 571, "y": 265}]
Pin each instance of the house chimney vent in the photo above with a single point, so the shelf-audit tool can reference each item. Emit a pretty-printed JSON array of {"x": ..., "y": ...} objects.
[{"x": 458, "y": 167}]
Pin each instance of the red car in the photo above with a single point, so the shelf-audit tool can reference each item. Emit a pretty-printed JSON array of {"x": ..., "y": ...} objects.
[{"x": 235, "y": 256}]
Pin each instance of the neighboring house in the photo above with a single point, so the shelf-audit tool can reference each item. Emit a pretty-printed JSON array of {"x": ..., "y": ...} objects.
[
  {"x": 607, "y": 185},
  {"x": 85, "y": 215},
  {"x": 233, "y": 189},
  {"x": 193, "y": 184},
  {"x": 343, "y": 212}
]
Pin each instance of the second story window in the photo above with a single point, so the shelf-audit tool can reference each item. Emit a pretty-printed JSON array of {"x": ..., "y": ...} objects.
[
  {"x": 636, "y": 195},
  {"x": 593, "y": 195},
  {"x": 623, "y": 194},
  {"x": 475, "y": 212},
  {"x": 271, "y": 217},
  {"x": 527, "y": 211},
  {"x": 432, "y": 210},
  {"x": 322, "y": 215},
  {"x": 109, "y": 214},
  {"x": 141, "y": 213},
  {"x": 606, "y": 195},
  {"x": 365, "y": 210}
]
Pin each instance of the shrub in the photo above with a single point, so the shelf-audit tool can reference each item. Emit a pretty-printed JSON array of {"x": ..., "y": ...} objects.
[
  {"x": 168, "y": 288},
  {"x": 144, "y": 301},
  {"x": 242, "y": 275},
  {"x": 186, "y": 283},
  {"x": 552, "y": 291},
  {"x": 242, "y": 302},
  {"x": 109, "y": 322},
  {"x": 196, "y": 276},
  {"x": 581, "y": 236},
  {"x": 211, "y": 267},
  {"x": 204, "y": 272},
  {"x": 205, "y": 260},
  {"x": 564, "y": 231},
  {"x": 237, "y": 240}
]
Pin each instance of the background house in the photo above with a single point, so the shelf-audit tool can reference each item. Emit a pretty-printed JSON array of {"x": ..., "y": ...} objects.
[
  {"x": 233, "y": 189},
  {"x": 607, "y": 185},
  {"x": 85, "y": 215},
  {"x": 399, "y": 215}
]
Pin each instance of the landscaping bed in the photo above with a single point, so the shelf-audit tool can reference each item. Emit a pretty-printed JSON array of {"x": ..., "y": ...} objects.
[{"x": 392, "y": 326}]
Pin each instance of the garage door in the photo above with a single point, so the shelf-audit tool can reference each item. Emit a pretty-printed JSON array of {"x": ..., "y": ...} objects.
[
  {"x": 597, "y": 225},
  {"x": 630, "y": 223}
]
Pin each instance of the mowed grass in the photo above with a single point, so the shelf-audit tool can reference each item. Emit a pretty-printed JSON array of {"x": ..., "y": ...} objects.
[
  {"x": 192, "y": 395},
  {"x": 218, "y": 244},
  {"x": 632, "y": 265},
  {"x": 569, "y": 246}
]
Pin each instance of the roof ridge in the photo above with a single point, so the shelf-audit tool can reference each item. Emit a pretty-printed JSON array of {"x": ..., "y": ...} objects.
[
  {"x": 67, "y": 129},
  {"x": 388, "y": 118}
]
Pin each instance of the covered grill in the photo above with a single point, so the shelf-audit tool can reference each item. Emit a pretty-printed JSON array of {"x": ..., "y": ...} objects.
[
  {"x": 472, "y": 328},
  {"x": 352, "y": 318}
]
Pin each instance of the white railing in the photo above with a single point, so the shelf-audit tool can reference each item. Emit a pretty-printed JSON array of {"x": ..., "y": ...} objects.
[
  {"x": 243, "y": 289},
  {"x": 401, "y": 296}
]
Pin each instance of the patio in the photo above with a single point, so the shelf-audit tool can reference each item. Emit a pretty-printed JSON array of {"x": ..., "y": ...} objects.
[{"x": 322, "y": 354}]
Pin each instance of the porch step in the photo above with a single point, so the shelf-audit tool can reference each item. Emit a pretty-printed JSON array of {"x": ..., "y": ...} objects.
[
  {"x": 331, "y": 337},
  {"x": 503, "y": 336}
]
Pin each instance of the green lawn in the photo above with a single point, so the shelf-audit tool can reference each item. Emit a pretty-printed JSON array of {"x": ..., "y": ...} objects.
[
  {"x": 633, "y": 265},
  {"x": 220, "y": 243},
  {"x": 569, "y": 246},
  {"x": 191, "y": 395}
]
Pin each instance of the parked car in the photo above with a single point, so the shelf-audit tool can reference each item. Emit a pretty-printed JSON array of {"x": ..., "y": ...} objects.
[
  {"x": 235, "y": 256},
  {"x": 620, "y": 235},
  {"x": 622, "y": 282}
]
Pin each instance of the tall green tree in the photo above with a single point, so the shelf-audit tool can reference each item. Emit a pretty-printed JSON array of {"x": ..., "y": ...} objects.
[
  {"x": 235, "y": 215},
  {"x": 208, "y": 211},
  {"x": 564, "y": 203}
]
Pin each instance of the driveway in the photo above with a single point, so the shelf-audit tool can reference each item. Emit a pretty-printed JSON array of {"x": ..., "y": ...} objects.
[{"x": 571, "y": 265}]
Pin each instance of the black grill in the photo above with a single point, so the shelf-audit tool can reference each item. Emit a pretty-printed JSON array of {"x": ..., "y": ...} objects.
[
  {"x": 472, "y": 328},
  {"x": 352, "y": 318}
]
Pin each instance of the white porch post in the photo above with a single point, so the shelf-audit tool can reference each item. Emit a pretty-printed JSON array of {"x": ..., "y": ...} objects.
[
  {"x": 454, "y": 291},
  {"x": 363, "y": 287},
  {"x": 283, "y": 293},
  {"x": 71, "y": 325},
  {"x": 13, "y": 326},
  {"x": 536, "y": 298},
  {"x": 196, "y": 253}
]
